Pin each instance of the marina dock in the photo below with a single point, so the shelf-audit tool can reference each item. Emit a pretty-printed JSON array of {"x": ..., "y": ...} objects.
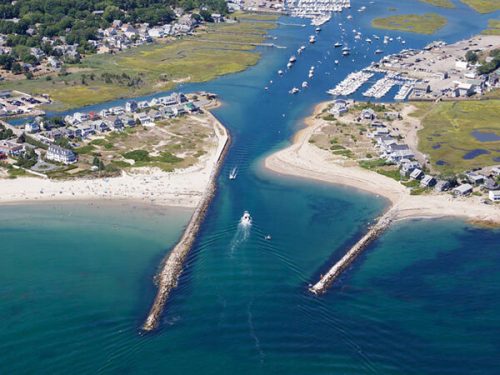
[
  {"x": 167, "y": 278},
  {"x": 375, "y": 231}
]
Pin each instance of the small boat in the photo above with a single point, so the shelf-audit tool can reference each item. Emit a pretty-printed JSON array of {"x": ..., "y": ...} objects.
[
  {"x": 337, "y": 45},
  {"x": 268, "y": 237},
  {"x": 295, "y": 90},
  {"x": 311, "y": 74},
  {"x": 349, "y": 17},
  {"x": 292, "y": 59},
  {"x": 336, "y": 61},
  {"x": 368, "y": 40},
  {"x": 305, "y": 84},
  {"x": 376, "y": 37},
  {"x": 312, "y": 39},
  {"x": 266, "y": 88},
  {"x": 280, "y": 72},
  {"x": 289, "y": 65},
  {"x": 233, "y": 173},
  {"x": 345, "y": 53},
  {"x": 378, "y": 52},
  {"x": 246, "y": 219},
  {"x": 318, "y": 29}
]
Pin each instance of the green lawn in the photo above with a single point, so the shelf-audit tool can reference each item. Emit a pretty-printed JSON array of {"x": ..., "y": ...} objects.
[
  {"x": 427, "y": 23},
  {"x": 440, "y": 3},
  {"x": 446, "y": 134},
  {"x": 483, "y": 6},
  {"x": 493, "y": 28},
  {"x": 218, "y": 50}
]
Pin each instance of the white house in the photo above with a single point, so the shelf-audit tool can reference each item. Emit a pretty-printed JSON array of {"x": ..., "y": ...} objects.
[
  {"x": 494, "y": 195},
  {"x": 61, "y": 155}
]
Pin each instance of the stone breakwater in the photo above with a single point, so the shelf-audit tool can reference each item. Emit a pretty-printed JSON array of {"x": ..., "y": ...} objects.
[
  {"x": 168, "y": 276},
  {"x": 375, "y": 231}
]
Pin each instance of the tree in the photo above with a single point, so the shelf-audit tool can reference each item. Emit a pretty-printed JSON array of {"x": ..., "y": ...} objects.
[{"x": 471, "y": 57}]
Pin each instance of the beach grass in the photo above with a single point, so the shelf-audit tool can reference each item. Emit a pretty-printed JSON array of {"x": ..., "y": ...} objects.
[
  {"x": 440, "y": 3},
  {"x": 446, "y": 134},
  {"x": 427, "y": 23},
  {"x": 483, "y": 6},
  {"x": 493, "y": 28},
  {"x": 216, "y": 50}
]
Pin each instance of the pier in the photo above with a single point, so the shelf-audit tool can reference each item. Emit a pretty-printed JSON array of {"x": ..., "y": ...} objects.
[
  {"x": 375, "y": 231},
  {"x": 168, "y": 276}
]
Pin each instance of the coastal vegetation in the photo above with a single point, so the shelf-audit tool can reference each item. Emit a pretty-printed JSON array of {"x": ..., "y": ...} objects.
[
  {"x": 174, "y": 143},
  {"x": 448, "y": 134},
  {"x": 440, "y": 3},
  {"x": 493, "y": 28},
  {"x": 218, "y": 48},
  {"x": 427, "y": 23},
  {"x": 483, "y": 6}
]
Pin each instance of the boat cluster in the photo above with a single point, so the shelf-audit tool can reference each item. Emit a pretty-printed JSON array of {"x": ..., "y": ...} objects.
[
  {"x": 317, "y": 9},
  {"x": 351, "y": 83},
  {"x": 381, "y": 87}
]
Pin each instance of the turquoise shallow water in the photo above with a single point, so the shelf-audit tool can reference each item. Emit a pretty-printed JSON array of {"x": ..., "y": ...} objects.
[{"x": 76, "y": 280}]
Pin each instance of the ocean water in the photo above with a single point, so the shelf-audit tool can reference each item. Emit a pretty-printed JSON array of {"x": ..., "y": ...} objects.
[{"x": 76, "y": 279}]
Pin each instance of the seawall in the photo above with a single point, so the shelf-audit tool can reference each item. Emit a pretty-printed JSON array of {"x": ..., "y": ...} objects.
[
  {"x": 375, "y": 231},
  {"x": 172, "y": 267}
]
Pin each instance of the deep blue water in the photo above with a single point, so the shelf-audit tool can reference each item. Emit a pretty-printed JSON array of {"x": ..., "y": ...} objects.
[{"x": 76, "y": 280}]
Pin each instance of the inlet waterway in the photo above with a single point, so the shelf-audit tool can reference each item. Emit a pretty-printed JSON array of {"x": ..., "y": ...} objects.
[{"x": 76, "y": 279}]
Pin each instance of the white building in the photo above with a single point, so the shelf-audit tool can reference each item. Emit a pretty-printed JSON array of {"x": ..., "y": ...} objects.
[
  {"x": 60, "y": 155},
  {"x": 494, "y": 195}
]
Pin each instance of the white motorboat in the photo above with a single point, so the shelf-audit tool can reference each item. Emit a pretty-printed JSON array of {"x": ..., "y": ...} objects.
[
  {"x": 246, "y": 219},
  {"x": 305, "y": 84},
  {"x": 312, "y": 39},
  {"x": 289, "y": 65},
  {"x": 294, "y": 90},
  {"x": 233, "y": 173},
  {"x": 338, "y": 44},
  {"x": 280, "y": 72},
  {"x": 336, "y": 62},
  {"x": 292, "y": 59},
  {"x": 379, "y": 51}
]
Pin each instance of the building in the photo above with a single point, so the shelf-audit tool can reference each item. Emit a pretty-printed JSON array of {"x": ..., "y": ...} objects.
[
  {"x": 10, "y": 148},
  {"x": 475, "y": 179},
  {"x": 368, "y": 114},
  {"x": 464, "y": 189},
  {"x": 494, "y": 195},
  {"x": 428, "y": 181},
  {"x": 442, "y": 185},
  {"x": 417, "y": 174},
  {"x": 60, "y": 155},
  {"x": 32, "y": 127},
  {"x": 495, "y": 171}
]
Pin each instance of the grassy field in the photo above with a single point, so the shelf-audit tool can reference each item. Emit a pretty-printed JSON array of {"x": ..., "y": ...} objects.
[
  {"x": 493, "y": 28},
  {"x": 216, "y": 50},
  {"x": 483, "y": 6},
  {"x": 427, "y": 23},
  {"x": 446, "y": 135},
  {"x": 440, "y": 3}
]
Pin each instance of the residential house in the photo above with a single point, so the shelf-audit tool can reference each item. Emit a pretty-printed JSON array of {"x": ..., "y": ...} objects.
[
  {"x": 428, "y": 181},
  {"x": 10, "y": 148},
  {"x": 464, "y": 189},
  {"x": 442, "y": 185},
  {"x": 474, "y": 178},
  {"x": 32, "y": 127},
  {"x": 368, "y": 114},
  {"x": 417, "y": 174},
  {"x": 494, "y": 195},
  {"x": 61, "y": 155}
]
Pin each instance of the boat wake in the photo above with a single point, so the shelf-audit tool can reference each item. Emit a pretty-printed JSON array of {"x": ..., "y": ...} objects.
[{"x": 243, "y": 231}]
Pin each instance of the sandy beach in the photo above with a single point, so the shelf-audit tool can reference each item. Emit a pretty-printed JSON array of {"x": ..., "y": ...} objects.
[
  {"x": 305, "y": 160},
  {"x": 183, "y": 188}
]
